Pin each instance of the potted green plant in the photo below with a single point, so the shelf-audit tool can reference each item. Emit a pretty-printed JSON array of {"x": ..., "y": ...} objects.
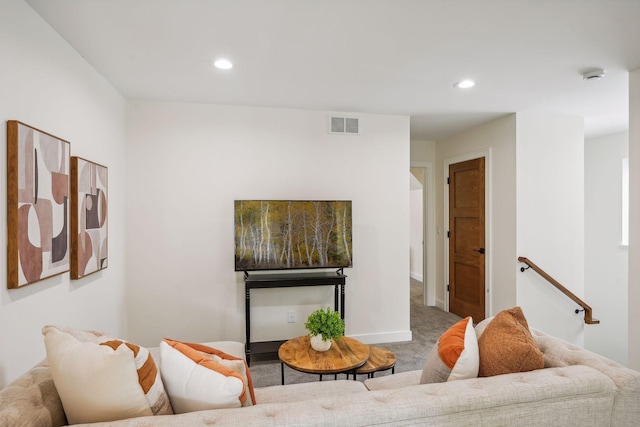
[{"x": 323, "y": 326}]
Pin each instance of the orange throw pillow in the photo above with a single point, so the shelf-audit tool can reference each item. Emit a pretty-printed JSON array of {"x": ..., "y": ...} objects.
[
  {"x": 506, "y": 346},
  {"x": 455, "y": 355}
]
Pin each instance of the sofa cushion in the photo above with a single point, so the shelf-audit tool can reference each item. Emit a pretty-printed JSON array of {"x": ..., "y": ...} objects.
[
  {"x": 32, "y": 400},
  {"x": 574, "y": 395},
  {"x": 506, "y": 345},
  {"x": 100, "y": 378},
  {"x": 310, "y": 390},
  {"x": 455, "y": 355},
  {"x": 397, "y": 380},
  {"x": 560, "y": 353},
  {"x": 199, "y": 377}
]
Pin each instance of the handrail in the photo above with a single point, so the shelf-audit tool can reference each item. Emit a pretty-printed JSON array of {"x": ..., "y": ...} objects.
[{"x": 588, "y": 312}]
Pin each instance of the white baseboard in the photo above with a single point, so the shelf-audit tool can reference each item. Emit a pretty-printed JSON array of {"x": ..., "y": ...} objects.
[
  {"x": 398, "y": 336},
  {"x": 416, "y": 276},
  {"x": 440, "y": 304}
]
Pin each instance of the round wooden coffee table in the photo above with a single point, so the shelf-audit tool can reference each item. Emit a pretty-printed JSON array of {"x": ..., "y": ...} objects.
[
  {"x": 380, "y": 359},
  {"x": 345, "y": 356}
]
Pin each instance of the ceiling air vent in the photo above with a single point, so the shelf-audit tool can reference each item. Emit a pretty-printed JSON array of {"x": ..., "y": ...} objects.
[{"x": 345, "y": 125}]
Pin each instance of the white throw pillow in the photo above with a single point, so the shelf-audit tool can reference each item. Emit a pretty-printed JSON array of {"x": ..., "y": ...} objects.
[
  {"x": 100, "y": 378},
  {"x": 480, "y": 327},
  {"x": 455, "y": 355},
  {"x": 198, "y": 377}
]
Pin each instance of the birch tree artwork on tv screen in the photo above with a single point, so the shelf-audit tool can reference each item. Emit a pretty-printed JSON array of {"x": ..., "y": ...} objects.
[{"x": 292, "y": 234}]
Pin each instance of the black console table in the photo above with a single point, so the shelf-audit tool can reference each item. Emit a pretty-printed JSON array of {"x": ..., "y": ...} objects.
[{"x": 286, "y": 280}]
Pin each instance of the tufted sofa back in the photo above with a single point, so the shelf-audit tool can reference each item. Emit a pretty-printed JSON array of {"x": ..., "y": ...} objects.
[
  {"x": 559, "y": 353},
  {"x": 32, "y": 400}
]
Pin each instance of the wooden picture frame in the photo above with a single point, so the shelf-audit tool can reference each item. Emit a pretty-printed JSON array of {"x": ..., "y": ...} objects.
[
  {"x": 89, "y": 218},
  {"x": 37, "y": 205}
]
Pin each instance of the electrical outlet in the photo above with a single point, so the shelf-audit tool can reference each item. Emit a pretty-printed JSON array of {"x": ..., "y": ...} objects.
[{"x": 291, "y": 317}]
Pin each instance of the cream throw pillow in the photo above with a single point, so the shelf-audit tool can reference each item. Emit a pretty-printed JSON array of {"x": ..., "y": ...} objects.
[{"x": 98, "y": 380}]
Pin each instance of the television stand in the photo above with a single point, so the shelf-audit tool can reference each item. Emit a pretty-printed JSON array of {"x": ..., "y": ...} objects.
[{"x": 286, "y": 280}]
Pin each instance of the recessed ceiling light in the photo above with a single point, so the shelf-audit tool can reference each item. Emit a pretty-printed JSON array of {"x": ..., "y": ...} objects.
[
  {"x": 223, "y": 64},
  {"x": 465, "y": 84}
]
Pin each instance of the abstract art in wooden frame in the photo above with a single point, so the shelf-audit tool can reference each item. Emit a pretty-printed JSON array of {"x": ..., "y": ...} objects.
[
  {"x": 89, "y": 206},
  {"x": 37, "y": 205}
]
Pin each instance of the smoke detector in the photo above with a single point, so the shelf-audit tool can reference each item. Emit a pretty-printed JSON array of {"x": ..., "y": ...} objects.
[{"x": 593, "y": 74}]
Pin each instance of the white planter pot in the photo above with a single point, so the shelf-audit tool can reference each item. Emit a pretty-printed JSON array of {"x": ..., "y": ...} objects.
[{"x": 318, "y": 344}]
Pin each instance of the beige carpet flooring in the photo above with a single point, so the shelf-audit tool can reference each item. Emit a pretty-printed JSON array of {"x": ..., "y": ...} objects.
[{"x": 427, "y": 324}]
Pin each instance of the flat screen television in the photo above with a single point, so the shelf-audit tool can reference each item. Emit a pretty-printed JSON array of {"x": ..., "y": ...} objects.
[{"x": 292, "y": 234}]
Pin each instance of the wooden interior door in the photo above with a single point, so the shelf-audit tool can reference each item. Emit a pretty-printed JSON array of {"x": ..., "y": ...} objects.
[{"x": 467, "y": 239}]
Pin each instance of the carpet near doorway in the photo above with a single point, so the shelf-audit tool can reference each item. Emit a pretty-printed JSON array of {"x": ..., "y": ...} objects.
[{"x": 427, "y": 324}]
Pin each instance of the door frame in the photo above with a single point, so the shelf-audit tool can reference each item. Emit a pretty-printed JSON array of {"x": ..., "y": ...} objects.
[
  {"x": 428, "y": 232},
  {"x": 488, "y": 268}
]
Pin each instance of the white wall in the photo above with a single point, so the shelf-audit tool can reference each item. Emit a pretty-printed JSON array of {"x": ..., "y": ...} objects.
[
  {"x": 423, "y": 155},
  {"x": 46, "y": 84},
  {"x": 550, "y": 219},
  {"x": 187, "y": 163},
  {"x": 536, "y": 210},
  {"x": 498, "y": 138},
  {"x": 422, "y": 151},
  {"x": 416, "y": 257},
  {"x": 634, "y": 224},
  {"x": 606, "y": 261}
]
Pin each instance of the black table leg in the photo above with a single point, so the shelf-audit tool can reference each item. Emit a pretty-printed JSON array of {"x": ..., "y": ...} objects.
[
  {"x": 247, "y": 323},
  {"x": 342, "y": 310},
  {"x": 282, "y": 371}
]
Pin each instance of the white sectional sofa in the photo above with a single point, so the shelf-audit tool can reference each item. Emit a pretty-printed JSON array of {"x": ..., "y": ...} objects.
[{"x": 576, "y": 388}]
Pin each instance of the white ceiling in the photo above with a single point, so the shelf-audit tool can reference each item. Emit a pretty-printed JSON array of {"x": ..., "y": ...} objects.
[{"x": 373, "y": 56}]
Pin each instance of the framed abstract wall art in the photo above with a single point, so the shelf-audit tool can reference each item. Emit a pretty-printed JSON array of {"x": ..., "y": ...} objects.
[
  {"x": 89, "y": 203},
  {"x": 37, "y": 205}
]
